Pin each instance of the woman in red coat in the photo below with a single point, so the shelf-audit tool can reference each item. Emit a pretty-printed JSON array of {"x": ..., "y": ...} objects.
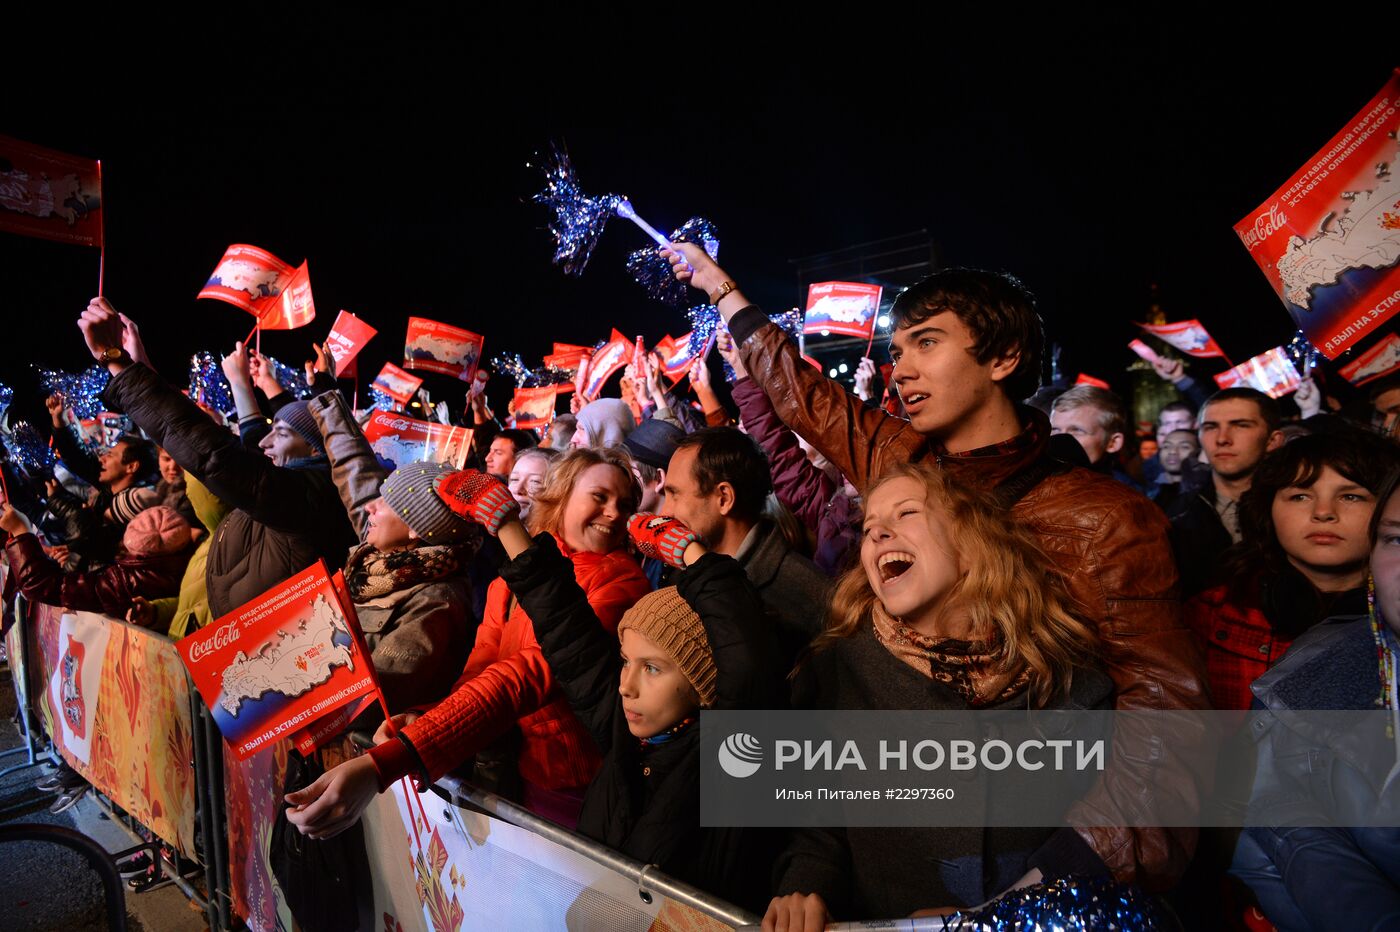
[
  {"x": 1302, "y": 559},
  {"x": 587, "y": 499}
]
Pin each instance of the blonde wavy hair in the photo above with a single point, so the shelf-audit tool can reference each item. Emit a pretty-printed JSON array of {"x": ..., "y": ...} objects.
[
  {"x": 1008, "y": 587},
  {"x": 548, "y": 512}
]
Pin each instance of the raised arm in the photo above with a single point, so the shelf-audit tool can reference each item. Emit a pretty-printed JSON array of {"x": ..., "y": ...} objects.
[
  {"x": 859, "y": 439},
  {"x": 354, "y": 467}
]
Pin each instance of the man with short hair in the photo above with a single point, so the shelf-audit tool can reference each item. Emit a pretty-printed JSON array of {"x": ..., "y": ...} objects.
[
  {"x": 717, "y": 484},
  {"x": 1177, "y": 451},
  {"x": 505, "y": 447},
  {"x": 1238, "y": 427},
  {"x": 1385, "y": 402},
  {"x": 966, "y": 347},
  {"x": 1095, "y": 418},
  {"x": 1175, "y": 415}
]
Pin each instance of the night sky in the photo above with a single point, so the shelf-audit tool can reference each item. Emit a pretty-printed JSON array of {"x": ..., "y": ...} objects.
[{"x": 1094, "y": 161}]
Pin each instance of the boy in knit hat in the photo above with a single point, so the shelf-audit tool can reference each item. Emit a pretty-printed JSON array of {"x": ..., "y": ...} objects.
[{"x": 704, "y": 643}]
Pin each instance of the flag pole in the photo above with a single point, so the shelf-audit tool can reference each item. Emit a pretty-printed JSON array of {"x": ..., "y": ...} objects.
[{"x": 101, "y": 230}]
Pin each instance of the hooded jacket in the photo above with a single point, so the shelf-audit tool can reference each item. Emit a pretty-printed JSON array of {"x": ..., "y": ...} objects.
[{"x": 1108, "y": 542}]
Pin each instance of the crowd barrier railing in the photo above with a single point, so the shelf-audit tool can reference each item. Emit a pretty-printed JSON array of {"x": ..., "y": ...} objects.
[{"x": 118, "y": 706}]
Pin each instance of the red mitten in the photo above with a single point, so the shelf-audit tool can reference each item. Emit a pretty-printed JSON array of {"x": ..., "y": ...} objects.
[
  {"x": 480, "y": 498},
  {"x": 661, "y": 538}
]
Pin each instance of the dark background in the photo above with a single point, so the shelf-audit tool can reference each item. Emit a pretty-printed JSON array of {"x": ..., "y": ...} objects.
[{"x": 1096, "y": 160}]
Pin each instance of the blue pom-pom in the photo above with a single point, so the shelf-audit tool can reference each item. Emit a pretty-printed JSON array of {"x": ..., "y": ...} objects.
[
  {"x": 82, "y": 392},
  {"x": 7, "y": 395},
  {"x": 1076, "y": 903},
  {"x": 653, "y": 272},
  {"x": 1303, "y": 353},
  {"x": 28, "y": 448},
  {"x": 578, "y": 219},
  {"x": 381, "y": 401},
  {"x": 208, "y": 385}
]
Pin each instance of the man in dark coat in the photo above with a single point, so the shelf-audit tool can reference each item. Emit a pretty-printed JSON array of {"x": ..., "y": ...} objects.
[
  {"x": 287, "y": 512},
  {"x": 717, "y": 485}
]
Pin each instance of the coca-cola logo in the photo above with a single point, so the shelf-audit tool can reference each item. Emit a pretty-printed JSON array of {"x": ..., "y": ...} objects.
[
  {"x": 1265, "y": 225},
  {"x": 222, "y": 638}
]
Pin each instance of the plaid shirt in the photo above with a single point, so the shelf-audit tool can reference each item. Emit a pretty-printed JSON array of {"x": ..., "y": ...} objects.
[{"x": 1240, "y": 645}]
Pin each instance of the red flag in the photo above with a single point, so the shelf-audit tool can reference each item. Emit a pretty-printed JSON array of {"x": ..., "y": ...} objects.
[
  {"x": 534, "y": 407},
  {"x": 1086, "y": 379},
  {"x": 1328, "y": 240},
  {"x": 283, "y": 660},
  {"x": 400, "y": 440},
  {"x": 396, "y": 383},
  {"x": 1189, "y": 336},
  {"x": 293, "y": 308},
  {"x": 276, "y": 293},
  {"x": 348, "y": 336},
  {"x": 430, "y": 346},
  {"x": 49, "y": 194},
  {"x": 1272, "y": 373},
  {"x": 1381, "y": 359},
  {"x": 610, "y": 358},
  {"x": 847, "y": 308}
]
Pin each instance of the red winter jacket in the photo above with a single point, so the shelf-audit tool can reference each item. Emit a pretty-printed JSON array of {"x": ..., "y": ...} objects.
[{"x": 506, "y": 682}]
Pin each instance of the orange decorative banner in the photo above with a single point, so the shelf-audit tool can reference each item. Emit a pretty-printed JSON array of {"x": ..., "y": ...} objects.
[
  {"x": 348, "y": 336},
  {"x": 49, "y": 194}
]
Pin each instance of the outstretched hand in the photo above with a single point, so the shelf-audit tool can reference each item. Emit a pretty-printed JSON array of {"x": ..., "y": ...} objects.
[
  {"x": 865, "y": 378},
  {"x": 12, "y": 521},
  {"x": 664, "y": 538},
  {"x": 235, "y": 366},
  {"x": 131, "y": 340},
  {"x": 336, "y": 800},
  {"x": 479, "y": 497},
  {"x": 724, "y": 342},
  {"x": 55, "y": 404},
  {"x": 693, "y": 265}
]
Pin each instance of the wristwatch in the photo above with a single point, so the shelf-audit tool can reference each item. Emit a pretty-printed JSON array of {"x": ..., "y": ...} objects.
[
  {"x": 112, "y": 354},
  {"x": 724, "y": 288}
]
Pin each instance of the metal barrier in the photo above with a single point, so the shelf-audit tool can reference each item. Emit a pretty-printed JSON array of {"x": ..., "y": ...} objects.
[
  {"x": 95, "y": 854},
  {"x": 648, "y": 878}
]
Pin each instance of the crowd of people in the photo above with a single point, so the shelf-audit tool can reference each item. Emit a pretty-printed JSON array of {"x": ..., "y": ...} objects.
[{"x": 550, "y": 620}]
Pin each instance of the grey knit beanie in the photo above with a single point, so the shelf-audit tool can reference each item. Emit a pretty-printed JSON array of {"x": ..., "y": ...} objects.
[
  {"x": 411, "y": 490},
  {"x": 607, "y": 421},
  {"x": 297, "y": 415}
]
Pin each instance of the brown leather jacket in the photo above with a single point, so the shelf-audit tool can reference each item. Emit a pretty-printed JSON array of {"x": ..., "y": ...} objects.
[{"x": 1109, "y": 542}]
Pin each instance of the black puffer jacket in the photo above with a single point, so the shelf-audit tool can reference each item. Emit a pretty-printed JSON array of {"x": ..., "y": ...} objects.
[
  {"x": 647, "y": 804},
  {"x": 284, "y": 517}
]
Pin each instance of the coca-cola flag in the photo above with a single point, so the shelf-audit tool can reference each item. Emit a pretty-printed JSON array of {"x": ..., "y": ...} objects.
[
  {"x": 327, "y": 727},
  {"x": 677, "y": 355},
  {"x": 348, "y": 336},
  {"x": 1189, "y": 336},
  {"x": 256, "y": 281},
  {"x": 1381, "y": 359},
  {"x": 612, "y": 356},
  {"x": 534, "y": 407},
  {"x": 398, "y": 440},
  {"x": 396, "y": 383},
  {"x": 571, "y": 349},
  {"x": 277, "y": 664},
  {"x": 49, "y": 194},
  {"x": 431, "y": 346},
  {"x": 1328, "y": 240},
  {"x": 847, "y": 308},
  {"x": 1272, "y": 373},
  {"x": 569, "y": 361}
]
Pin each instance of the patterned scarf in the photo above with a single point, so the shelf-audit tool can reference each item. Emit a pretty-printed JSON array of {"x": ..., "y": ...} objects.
[
  {"x": 371, "y": 573},
  {"x": 969, "y": 667}
]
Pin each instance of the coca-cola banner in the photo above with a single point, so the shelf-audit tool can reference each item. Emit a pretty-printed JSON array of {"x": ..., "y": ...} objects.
[
  {"x": 348, "y": 336},
  {"x": 534, "y": 407},
  {"x": 847, "y": 308},
  {"x": 1329, "y": 239},
  {"x": 396, "y": 383},
  {"x": 49, "y": 194},
  {"x": 1189, "y": 336},
  {"x": 271, "y": 667},
  {"x": 431, "y": 346},
  {"x": 399, "y": 440},
  {"x": 1272, "y": 373},
  {"x": 250, "y": 278},
  {"x": 1381, "y": 359}
]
